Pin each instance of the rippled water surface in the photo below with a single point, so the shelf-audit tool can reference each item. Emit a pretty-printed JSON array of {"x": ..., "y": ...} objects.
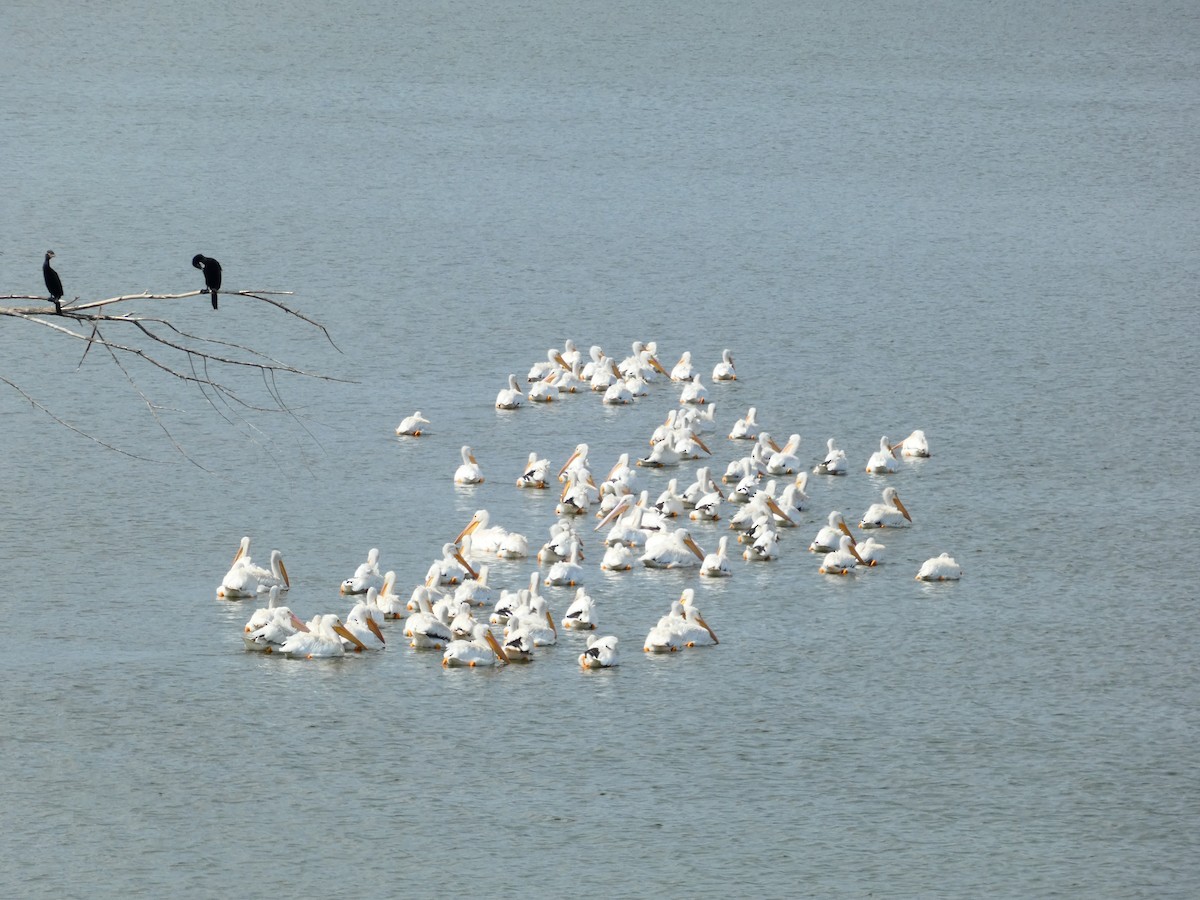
[{"x": 978, "y": 220}]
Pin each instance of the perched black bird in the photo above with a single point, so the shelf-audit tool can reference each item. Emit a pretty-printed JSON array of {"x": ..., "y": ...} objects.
[
  {"x": 212, "y": 274},
  {"x": 53, "y": 282}
]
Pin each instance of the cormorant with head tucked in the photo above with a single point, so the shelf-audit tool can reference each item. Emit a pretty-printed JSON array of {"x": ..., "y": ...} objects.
[
  {"x": 53, "y": 282},
  {"x": 212, "y": 274}
]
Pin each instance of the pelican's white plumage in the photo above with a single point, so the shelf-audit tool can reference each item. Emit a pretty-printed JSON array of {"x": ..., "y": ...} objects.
[
  {"x": 834, "y": 463},
  {"x": 366, "y": 576},
  {"x": 567, "y": 571},
  {"x": 666, "y": 635},
  {"x": 555, "y": 362},
  {"x": 426, "y": 630},
  {"x": 323, "y": 639},
  {"x": 843, "y": 560},
  {"x": 511, "y": 396},
  {"x": 360, "y": 622},
  {"x": 481, "y": 650},
  {"x": 390, "y": 603},
  {"x": 618, "y": 558},
  {"x": 891, "y": 513},
  {"x": 716, "y": 565},
  {"x": 745, "y": 428},
  {"x": 468, "y": 471},
  {"x": 672, "y": 550},
  {"x": 785, "y": 461},
  {"x": 581, "y": 614},
  {"x": 829, "y": 537},
  {"x": 683, "y": 370},
  {"x": 940, "y": 568},
  {"x": 476, "y": 591},
  {"x": 694, "y": 391},
  {"x": 412, "y": 425},
  {"x": 601, "y": 652},
  {"x": 871, "y": 551},
  {"x": 694, "y": 631},
  {"x": 724, "y": 371},
  {"x": 915, "y": 445},
  {"x": 270, "y": 626},
  {"x": 882, "y": 461}
]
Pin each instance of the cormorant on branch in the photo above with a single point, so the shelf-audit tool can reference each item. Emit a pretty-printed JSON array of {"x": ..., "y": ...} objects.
[
  {"x": 53, "y": 282},
  {"x": 212, "y": 274}
]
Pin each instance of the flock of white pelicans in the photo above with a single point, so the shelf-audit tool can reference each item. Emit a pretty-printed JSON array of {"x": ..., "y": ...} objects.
[{"x": 763, "y": 492}]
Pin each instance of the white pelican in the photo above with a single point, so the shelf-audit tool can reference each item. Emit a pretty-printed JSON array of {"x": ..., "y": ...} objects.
[
  {"x": 703, "y": 485},
  {"x": 618, "y": 394},
  {"x": 618, "y": 558},
  {"x": 559, "y": 545},
  {"x": 888, "y": 514},
  {"x": 641, "y": 363},
  {"x": 914, "y": 445},
  {"x": 538, "y": 623},
  {"x": 270, "y": 626},
  {"x": 481, "y": 650},
  {"x": 361, "y": 623},
  {"x": 829, "y": 537},
  {"x": 571, "y": 381},
  {"x": 694, "y": 391},
  {"x": 323, "y": 639},
  {"x": 453, "y": 567},
  {"x": 664, "y": 453},
  {"x": 518, "y": 641},
  {"x": 622, "y": 474},
  {"x": 843, "y": 560},
  {"x": 761, "y": 506},
  {"x": 367, "y": 575},
  {"x": 666, "y": 430},
  {"x": 242, "y": 578},
  {"x": 511, "y": 602},
  {"x": 576, "y": 464},
  {"x": 476, "y": 591},
  {"x": 792, "y": 498},
  {"x": 595, "y": 358},
  {"x": 544, "y": 391},
  {"x": 683, "y": 370},
  {"x": 763, "y": 539},
  {"x": 411, "y": 425},
  {"x": 426, "y": 630},
  {"x": 462, "y": 625},
  {"x": 882, "y": 461},
  {"x": 670, "y": 501},
  {"x": 274, "y": 576},
  {"x": 940, "y": 568},
  {"x": 536, "y": 474},
  {"x": 601, "y": 652},
  {"x": 689, "y": 445},
  {"x": 694, "y": 631},
  {"x": 387, "y": 600},
  {"x": 716, "y": 565},
  {"x": 724, "y": 371},
  {"x": 469, "y": 471},
  {"x": 745, "y": 428},
  {"x": 571, "y": 354},
  {"x": 488, "y": 539},
  {"x": 785, "y": 461},
  {"x": 627, "y": 528},
  {"x": 581, "y": 614},
  {"x": 511, "y": 396},
  {"x": 672, "y": 550},
  {"x": 554, "y": 362},
  {"x": 834, "y": 463},
  {"x": 577, "y": 496},
  {"x": 568, "y": 571},
  {"x": 700, "y": 420},
  {"x": 871, "y": 551},
  {"x": 708, "y": 508},
  {"x": 604, "y": 375},
  {"x": 665, "y": 636}
]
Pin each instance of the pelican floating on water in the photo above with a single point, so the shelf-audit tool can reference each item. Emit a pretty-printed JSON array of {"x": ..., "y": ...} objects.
[
  {"x": 745, "y": 428},
  {"x": 683, "y": 370},
  {"x": 271, "y": 626},
  {"x": 914, "y": 445},
  {"x": 367, "y": 575},
  {"x": 581, "y": 614},
  {"x": 716, "y": 565},
  {"x": 666, "y": 635},
  {"x": 672, "y": 550},
  {"x": 390, "y": 603},
  {"x": 829, "y": 537},
  {"x": 871, "y": 551},
  {"x": 785, "y": 461},
  {"x": 481, "y": 650},
  {"x": 536, "y": 474},
  {"x": 322, "y": 639},
  {"x": 843, "y": 560},
  {"x": 882, "y": 461},
  {"x": 601, "y": 652},
  {"x": 511, "y": 396},
  {"x": 891, "y": 513},
  {"x": 411, "y": 425},
  {"x": 694, "y": 391},
  {"x": 568, "y": 571},
  {"x": 469, "y": 471},
  {"x": 724, "y": 371},
  {"x": 834, "y": 463},
  {"x": 940, "y": 568}
]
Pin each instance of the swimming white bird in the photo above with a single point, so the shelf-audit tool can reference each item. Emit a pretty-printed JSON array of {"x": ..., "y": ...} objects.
[
  {"x": 666, "y": 431},
  {"x": 411, "y": 425},
  {"x": 641, "y": 363},
  {"x": 724, "y": 371},
  {"x": 559, "y": 544},
  {"x": 716, "y": 565},
  {"x": 843, "y": 560},
  {"x": 601, "y": 652},
  {"x": 622, "y": 475},
  {"x": 361, "y": 623},
  {"x": 452, "y": 568},
  {"x": 571, "y": 381},
  {"x": 481, "y": 650},
  {"x": 426, "y": 630},
  {"x": 577, "y": 496},
  {"x": 618, "y": 394},
  {"x": 462, "y": 625},
  {"x": 469, "y": 471},
  {"x": 745, "y": 428},
  {"x": 577, "y": 465},
  {"x": 604, "y": 375},
  {"x": 891, "y": 513},
  {"x": 940, "y": 568},
  {"x": 694, "y": 631},
  {"x": 871, "y": 551},
  {"x": 511, "y": 396},
  {"x": 538, "y": 623},
  {"x": 792, "y": 499},
  {"x": 367, "y": 575},
  {"x": 596, "y": 357},
  {"x": 683, "y": 370},
  {"x": 511, "y": 601},
  {"x": 271, "y": 625},
  {"x": 666, "y": 635},
  {"x": 670, "y": 501},
  {"x": 829, "y": 537},
  {"x": 388, "y": 602},
  {"x": 240, "y": 581},
  {"x": 518, "y": 641},
  {"x": 834, "y": 463},
  {"x": 701, "y": 419},
  {"x": 761, "y": 506},
  {"x": 785, "y": 461},
  {"x": 581, "y": 614},
  {"x": 568, "y": 571},
  {"x": 882, "y": 461},
  {"x": 322, "y": 640},
  {"x": 915, "y": 445},
  {"x": 708, "y": 508},
  {"x": 763, "y": 540},
  {"x": 489, "y": 540},
  {"x": 476, "y": 591},
  {"x": 555, "y": 362},
  {"x": 626, "y": 518},
  {"x": 672, "y": 550},
  {"x": 694, "y": 391},
  {"x": 571, "y": 354},
  {"x": 544, "y": 391},
  {"x": 618, "y": 558},
  {"x": 536, "y": 473},
  {"x": 703, "y": 485}
]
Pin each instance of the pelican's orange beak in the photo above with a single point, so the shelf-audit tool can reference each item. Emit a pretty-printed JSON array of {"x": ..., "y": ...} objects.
[
  {"x": 702, "y": 445},
  {"x": 283, "y": 569},
  {"x": 343, "y": 631},
  {"x": 471, "y": 526},
  {"x": 375, "y": 630},
  {"x": 694, "y": 547},
  {"x": 466, "y": 565},
  {"x": 495, "y": 645},
  {"x": 904, "y": 512}
]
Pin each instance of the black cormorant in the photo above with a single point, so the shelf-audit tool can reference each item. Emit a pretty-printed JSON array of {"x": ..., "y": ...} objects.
[
  {"x": 212, "y": 274},
  {"x": 53, "y": 282}
]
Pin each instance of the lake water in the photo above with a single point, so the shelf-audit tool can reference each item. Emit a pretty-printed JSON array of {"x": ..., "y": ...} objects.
[{"x": 975, "y": 219}]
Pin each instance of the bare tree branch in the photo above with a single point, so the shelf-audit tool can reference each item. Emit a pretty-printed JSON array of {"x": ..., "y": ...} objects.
[{"x": 200, "y": 361}]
